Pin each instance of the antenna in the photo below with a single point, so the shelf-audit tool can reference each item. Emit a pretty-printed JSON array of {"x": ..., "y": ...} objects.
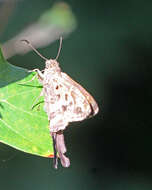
[
  {"x": 28, "y": 43},
  {"x": 59, "y": 50}
]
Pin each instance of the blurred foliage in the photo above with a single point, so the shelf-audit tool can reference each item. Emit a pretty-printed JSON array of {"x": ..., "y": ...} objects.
[
  {"x": 61, "y": 15},
  {"x": 57, "y": 21}
]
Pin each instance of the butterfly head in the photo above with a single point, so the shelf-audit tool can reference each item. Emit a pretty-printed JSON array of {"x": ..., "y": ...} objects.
[{"x": 52, "y": 65}]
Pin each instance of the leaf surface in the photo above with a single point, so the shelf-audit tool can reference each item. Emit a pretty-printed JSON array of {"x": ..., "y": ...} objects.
[{"x": 21, "y": 127}]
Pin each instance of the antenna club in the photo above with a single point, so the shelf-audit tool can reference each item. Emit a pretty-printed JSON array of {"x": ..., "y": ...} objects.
[{"x": 26, "y": 41}]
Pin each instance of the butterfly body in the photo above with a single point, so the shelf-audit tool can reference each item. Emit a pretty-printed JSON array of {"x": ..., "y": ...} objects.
[{"x": 64, "y": 100}]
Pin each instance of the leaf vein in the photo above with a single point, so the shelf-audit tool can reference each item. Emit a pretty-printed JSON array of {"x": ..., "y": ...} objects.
[
  {"x": 19, "y": 109},
  {"x": 30, "y": 142}
]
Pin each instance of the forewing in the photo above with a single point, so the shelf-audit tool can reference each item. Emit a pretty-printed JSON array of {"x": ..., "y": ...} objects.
[
  {"x": 84, "y": 104},
  {"x": 67, "y": 101}
]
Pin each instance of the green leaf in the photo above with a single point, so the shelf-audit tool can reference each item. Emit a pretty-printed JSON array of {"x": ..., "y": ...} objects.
[{"x": 21, "y": 127}]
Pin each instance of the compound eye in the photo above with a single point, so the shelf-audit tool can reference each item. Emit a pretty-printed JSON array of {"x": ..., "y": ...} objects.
[{"x": 48, "y": 63}]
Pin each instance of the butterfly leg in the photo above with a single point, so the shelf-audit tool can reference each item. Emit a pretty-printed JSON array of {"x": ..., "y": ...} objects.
[
  {"x": 55, "y": 160},
  {"x": 36, "y": 100},
  {"x": 60, "y": 148},
  {"x": 29, "y": 80},
  {"x": 39, "y": 73}
]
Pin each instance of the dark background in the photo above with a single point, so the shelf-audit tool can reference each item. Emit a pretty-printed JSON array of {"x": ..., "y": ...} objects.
[{"x": 110, "y": 53}]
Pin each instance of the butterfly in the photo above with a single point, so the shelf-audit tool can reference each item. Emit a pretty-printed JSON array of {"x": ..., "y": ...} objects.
[{"x": 65, "y": 101}]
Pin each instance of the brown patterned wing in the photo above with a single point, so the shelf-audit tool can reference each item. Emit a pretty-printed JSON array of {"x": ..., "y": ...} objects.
[
  {"x": 71, "y": 103},
  {"x": 83, "y": 100}
]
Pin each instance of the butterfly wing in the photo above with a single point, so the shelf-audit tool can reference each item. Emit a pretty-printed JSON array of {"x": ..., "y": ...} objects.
[
  {"x": 67, "y": 101},
  {"x": 84, "y": 105}
]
